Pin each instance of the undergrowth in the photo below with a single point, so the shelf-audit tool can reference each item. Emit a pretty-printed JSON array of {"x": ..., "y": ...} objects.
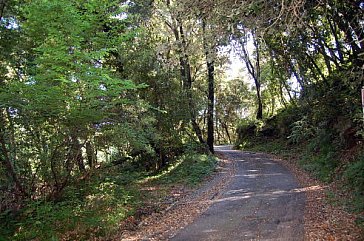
[
  {"x": 188, "y": 170},
  {"x": 95, "y": 207}
]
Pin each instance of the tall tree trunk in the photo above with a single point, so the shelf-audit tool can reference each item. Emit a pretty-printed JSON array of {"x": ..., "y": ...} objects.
[
  {"x": 259, "y": 99},
  {"x": 79, "y": 157},
  {"x": 211, "y": 91},
  {"x": 210, "y": 108},
  {"x": 217, "y": 131},
  {"x": 314, "y": 67},
  {"x": 176, "y": 27},
  {"x": 186, "y": 76},
  {"x": 188, "y": 87},
  {"x": 225, "y": 126},
  {"x": 334, "y": 31},
  {"x": 76, "y": 153},
  {"x": 257, "y": 78}
]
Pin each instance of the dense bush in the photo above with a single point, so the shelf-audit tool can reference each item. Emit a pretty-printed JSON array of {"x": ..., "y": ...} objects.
[
  {"x": 286, "y": 124},
  {"x": 301, "y": 130}
]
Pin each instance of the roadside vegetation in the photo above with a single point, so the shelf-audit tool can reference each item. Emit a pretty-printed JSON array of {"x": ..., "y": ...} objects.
[
  {"x": 115, "y": 197},
  {"x": 323, "y": 151}
]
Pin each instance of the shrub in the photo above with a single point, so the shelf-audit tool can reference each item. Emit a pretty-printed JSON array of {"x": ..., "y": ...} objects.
[
  {"x": 301, "y": 130},
  {"x": 190, "y": 169},
  {"x": 286, "y": 118},
  {"x": 247, "y": 131}
]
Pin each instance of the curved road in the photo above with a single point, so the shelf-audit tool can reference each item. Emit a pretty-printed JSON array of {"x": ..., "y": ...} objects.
[{"x": 262, "y": 202}]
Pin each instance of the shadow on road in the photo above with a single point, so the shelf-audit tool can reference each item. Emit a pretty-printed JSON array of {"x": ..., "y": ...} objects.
[{"x": 262, "y": 202}]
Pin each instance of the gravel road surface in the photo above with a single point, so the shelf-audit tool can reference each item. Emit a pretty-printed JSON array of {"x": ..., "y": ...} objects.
[{"x": 263, "y": 201}]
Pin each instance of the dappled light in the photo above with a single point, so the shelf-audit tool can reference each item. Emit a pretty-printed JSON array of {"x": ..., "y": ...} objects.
[
  {"x": 258, "y": 205},
  {"x": 311, "y": 188},
  {"x": 235, "y": 195}
]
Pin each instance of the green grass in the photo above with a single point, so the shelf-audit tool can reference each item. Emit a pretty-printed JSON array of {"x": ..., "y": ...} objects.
[
  {"x": 95, "y": 207},
  {"x": 189, "y": 170},
  {"x": 320, "y": 163},
  {"x": 273, "y": 146},
  {"x": 354, "y": 177}
]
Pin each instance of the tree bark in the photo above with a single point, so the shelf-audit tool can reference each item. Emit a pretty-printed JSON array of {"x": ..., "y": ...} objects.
[
  {"x": 78, "y": 155},
  {"x": 210, "y": 108},
  {"x": 211, "y": 91},
  {"x": 257, "y": 79},
  {"x": 225, "y": 126},
  {"x": 185, "y": 70},
  {"x": 75, "y": 154}
]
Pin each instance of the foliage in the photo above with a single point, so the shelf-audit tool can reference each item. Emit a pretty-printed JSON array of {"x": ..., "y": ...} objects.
[
  {"x": 301, "y": 131},
  {"x": 286, "y": 117},
  {"x": 96, "y": 206},
  {"x": 353, "y": 175},
  {"x": 92, "y": 208},
  {"x": 247, "y": 131},
  {"x": 233, "y": 99},
  {"x": 85, "y": 85},
  {"x": 354, "y": 178},
  {"x": 190, "y": 170},
  {"x": 64, "y": 99}
]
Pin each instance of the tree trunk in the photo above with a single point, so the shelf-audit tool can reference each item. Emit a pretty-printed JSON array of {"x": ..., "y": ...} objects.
[
  {"x": 76, "y": 153},
  {"x": 211, "y": 91},
  {"x": 186, "y": 77},
  {"x": 257, "y": 78},
  {"x": 225, "y": 126},
  {"x": 185, "y": 70},
  {"x": 253, "y": 69},
  {"x": 91, "y": 157},
  {"x": 210, "y": 108},
  {"x": 259, "y": 99}
]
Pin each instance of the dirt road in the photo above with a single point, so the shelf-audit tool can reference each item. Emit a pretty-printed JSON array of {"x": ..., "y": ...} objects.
[{"x": 262, "y": 202}]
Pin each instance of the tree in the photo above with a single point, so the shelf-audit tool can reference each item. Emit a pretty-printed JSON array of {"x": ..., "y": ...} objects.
[
  {"x": 210, "y": 56},
  {"x": 59, "y": 94},
  {"x": 234, "y": 101},
  {"x": 178, "y": 30},
  {"x": 253, "y": 68}
]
